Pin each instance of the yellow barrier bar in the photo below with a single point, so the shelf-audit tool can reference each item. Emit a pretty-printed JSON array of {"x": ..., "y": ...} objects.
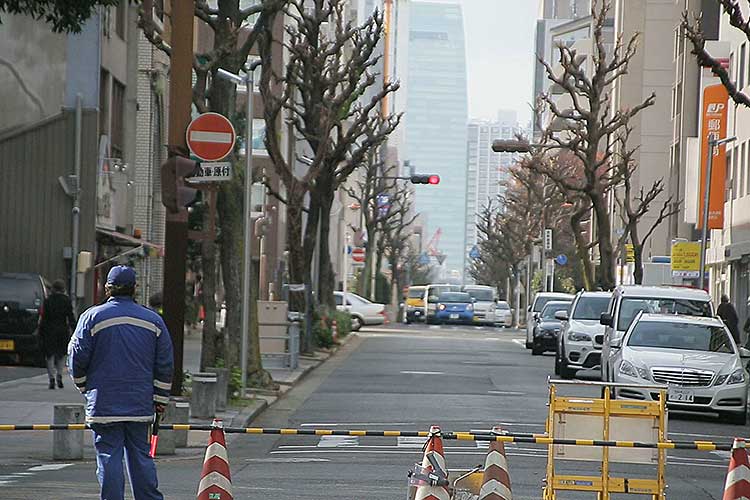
[
  {"x": 324, "y": 432},
  {"x": 254, "y": 430},
  {"x": 5, "y": 427},
  {"x": 288, "y": 431},
  {"x": 181, "y": 427},
  {"x": 391, "y": 433}
]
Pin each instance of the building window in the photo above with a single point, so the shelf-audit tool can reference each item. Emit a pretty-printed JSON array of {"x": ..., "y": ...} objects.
[
  {"x": 735, "y": 164},
  {"x": 104, "y": 102},
  {"x": 743, "y": 164},
  {"x": 741, "y": 68},
  {"x": 118, "y": 113},
  {"x": 121, "y": 18},
  {"x": 731, "y": 66}
]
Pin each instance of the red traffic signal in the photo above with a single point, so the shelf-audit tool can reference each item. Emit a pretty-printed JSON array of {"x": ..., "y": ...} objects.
[
  {"x": 425, "y": 179},
  {"x": 175, "y": 193}
]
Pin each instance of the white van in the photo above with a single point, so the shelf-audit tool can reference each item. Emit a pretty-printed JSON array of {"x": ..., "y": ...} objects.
[
  {"x": 536, "y": 307},
  {"x": 485, "y": 302},
  {"x": 628, "y": 300}
]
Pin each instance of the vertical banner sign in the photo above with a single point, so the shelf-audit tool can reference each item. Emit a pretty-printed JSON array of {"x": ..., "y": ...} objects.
[{"x": 714, "y": 125}]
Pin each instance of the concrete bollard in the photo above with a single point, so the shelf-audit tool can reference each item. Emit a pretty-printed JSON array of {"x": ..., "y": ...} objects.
[
  {"x": 181, "y": 416},
  {"x": 203, "y": 399},
  {"x": 222, "y": 385},
  {"x": 68, "y": 445}
]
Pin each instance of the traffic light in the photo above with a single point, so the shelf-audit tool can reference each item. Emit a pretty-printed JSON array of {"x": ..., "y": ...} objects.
[
  {"x": 175, "y": 192},
  {"x": 425, "y": 179}
]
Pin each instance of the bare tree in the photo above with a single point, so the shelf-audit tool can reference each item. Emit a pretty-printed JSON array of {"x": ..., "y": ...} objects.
[
  {"x": 395, "y": 234},
  {"x": 324, "y": 83},
  {"x": 590, "y": 123}
]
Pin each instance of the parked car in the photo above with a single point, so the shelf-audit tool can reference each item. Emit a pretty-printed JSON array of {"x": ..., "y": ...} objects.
[
  {"x": 21, "y": 307},
  {"x": 547, "y": 327},
  {"x": 535, "y": 308},
  {"x": 415, "y": 302},
  {"x": 696, "y": 357},
  {"x": 503, "y": 314},
  {"x": 432, "y": 294},
  {"x": 485, "y": 302},
  {"x": 628, "y": 300},
  {"x": 455, "y": 307},
  {"x": 362, "y": 311},
  {"x": 579, "y": 345}
]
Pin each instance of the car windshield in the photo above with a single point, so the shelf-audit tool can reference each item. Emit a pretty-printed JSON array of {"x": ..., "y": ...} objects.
[
  {"x": 540, "y": 302},
  {"x": 630, "y": 307},
  {"x": 502, "y": 305},
  {"x": 26, "y": 292},
  {"x": 482, "y": 294},
  {"x": 455, "y": 297},
  {"x": 590, "y": 307},
  {"x": 548, "y": 313},
  {"x": 416, "y": 293},
  {"x": 687, "y": 336}
]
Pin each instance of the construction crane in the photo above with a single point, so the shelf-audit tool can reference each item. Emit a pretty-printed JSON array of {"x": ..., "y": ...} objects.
[{"x": 432, "y": 249}]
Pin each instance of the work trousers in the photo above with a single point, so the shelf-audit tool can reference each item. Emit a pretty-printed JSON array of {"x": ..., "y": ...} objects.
[{"x": 110, "y": 441}]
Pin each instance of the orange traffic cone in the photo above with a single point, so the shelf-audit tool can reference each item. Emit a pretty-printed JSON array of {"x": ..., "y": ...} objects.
[
  {"x": 216, "y": 482},
  {"x": 496, "y": 480},
  {"x": 737, "y": 485},
  {"x": 433, "y": 456}
]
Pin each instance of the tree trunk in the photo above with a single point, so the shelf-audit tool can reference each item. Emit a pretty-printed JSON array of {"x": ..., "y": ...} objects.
[
  {"x": 298, "y": 271},
  {"x": 212, "y": 342},
  {"x": 327, "y": 275},
  {"x": 635, "y": 240},
  {"x": 606, "y": 271},
  {"x": 230, "y": 243},
  {"x": 582, "y": 249}
]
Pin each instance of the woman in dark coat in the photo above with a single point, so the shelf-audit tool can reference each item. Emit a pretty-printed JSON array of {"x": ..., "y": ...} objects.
[{"x": 55, "y": 330}]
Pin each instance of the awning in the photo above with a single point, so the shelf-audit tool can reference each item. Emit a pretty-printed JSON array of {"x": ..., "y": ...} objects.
[{"x": 137, "y": 244}]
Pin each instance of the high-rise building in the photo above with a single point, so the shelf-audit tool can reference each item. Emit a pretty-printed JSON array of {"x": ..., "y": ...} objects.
[
  {"x": 436, "y": 120},
  {"x": 486, "y": 171}
]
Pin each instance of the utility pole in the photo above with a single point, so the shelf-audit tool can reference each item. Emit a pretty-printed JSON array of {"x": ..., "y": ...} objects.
[{"x": 176, "y": 237}]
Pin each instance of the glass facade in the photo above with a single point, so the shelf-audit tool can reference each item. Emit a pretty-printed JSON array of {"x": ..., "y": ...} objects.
[{"x": 435, "y": 120}]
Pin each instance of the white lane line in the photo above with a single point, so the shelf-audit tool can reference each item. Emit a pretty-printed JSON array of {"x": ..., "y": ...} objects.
[
  {"x": 508, "y": 446},
  {"x": 722, "y": 453},
  {"x": 520, "y": 342},
  {"x": 39, "y": 468},
  {"x": 355, "y": 424},
  {"x": 338, "y": 441},
  {"x": 410, "y": 372},
  {"x": 410, "y": 442},
  {"x": 672, "y": 433},
  {"x": 507, "y": 393},
  {"x": 290, "y": 460}
]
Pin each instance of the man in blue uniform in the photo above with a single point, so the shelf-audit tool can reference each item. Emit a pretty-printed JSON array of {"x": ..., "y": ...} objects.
[{"x": 120, "y": 358}]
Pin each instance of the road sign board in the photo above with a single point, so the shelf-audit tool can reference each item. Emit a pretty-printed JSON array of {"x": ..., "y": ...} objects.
[
  {"x": 424, "y": 259},
  {"x": 686, "y": 257},
  {"x": 561, "y": 259},
  {"x": 358, "y": 254},
  {"x": 210, "y": 136},
  {"x": 629, "y": 253},
  {"x": 212, "y": 172},
  {"x": 474, "y": 252}
]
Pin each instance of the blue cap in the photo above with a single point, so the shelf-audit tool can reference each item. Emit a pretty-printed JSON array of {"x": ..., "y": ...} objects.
[{"x": 121, "y": 276}]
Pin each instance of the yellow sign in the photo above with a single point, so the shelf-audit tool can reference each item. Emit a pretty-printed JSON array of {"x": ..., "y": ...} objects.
[
  {"x": 686, "y": 259},
  {"x": 629, "y": 253}
]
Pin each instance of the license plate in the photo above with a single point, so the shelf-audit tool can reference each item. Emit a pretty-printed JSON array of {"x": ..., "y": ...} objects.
[
  {"x": 7, "y": 345},
  {"x": 454, "y": 316},
  {"x": 680, "y": 395},
  {"x": 417, "y": 313}
]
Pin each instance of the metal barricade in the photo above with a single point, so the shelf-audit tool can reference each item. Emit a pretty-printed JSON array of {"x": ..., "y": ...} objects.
[{"x": 286, "y": 348}]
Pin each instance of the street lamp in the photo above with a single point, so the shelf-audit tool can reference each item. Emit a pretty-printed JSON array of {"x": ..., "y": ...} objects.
[
  {"x": 713, "y": 142},
  {"x": 247, "y": 257}
]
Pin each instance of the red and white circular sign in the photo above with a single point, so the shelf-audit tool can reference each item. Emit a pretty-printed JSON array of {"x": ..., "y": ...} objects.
[
  {"x": 210, "y": 136},
  {"x": 358, "y": 254}
]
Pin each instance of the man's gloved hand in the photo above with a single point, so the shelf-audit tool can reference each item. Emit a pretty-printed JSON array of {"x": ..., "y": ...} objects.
[{"x": 160, "y": 408}]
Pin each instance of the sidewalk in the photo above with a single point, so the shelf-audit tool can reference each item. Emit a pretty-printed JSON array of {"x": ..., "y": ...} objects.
[{"x": 29, "y": 401}]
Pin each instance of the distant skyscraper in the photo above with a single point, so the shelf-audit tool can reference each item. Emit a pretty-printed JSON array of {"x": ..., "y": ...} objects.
[
  {"x": 436, "y": 120},
  {"x": 486, "y": 171}
]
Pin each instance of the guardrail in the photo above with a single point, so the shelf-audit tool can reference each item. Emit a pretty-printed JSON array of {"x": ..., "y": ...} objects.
[{"x": 540, "y": 439}]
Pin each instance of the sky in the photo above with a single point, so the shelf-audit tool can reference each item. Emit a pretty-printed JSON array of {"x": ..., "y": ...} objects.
[{"x": 500, "y": 55}]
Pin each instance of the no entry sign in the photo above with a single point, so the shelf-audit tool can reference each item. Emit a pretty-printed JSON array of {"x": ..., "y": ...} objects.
[
  {"x": 210, "y": 137},
  {"x": 358, "y": 254}
]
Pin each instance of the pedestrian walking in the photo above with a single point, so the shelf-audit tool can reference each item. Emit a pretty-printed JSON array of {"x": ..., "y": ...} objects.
[
  {"x": 55, "y": 327},
  {"x": 120, "y": 358},
  {"x": 728, "y": 314}
]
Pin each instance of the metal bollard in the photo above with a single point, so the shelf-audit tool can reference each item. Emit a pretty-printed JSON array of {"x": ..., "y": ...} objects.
[
  {"x": 293, "y": 331},
  {"x": 68, "y": 445},
  {"x": 222, "y": 384},
  {"x": 181, "y": 416},
  {"x": 203, "y": 399}
]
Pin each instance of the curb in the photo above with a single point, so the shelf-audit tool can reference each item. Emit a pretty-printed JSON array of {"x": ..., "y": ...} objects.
[{"x": 249, "y": 413}]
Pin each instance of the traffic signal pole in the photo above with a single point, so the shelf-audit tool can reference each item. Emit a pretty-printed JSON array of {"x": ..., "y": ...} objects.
[{"x": 176, "y": 237}]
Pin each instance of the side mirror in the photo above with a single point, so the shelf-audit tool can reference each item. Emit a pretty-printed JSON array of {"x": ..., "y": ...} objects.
[
  {"x": 432, "y": 299},
  {"x": 473, "y": 300},
  {"x": 744, "y": 353},
  {"x": 561, "y": 315},
  {"x": 605, "y": 319},
  {"x": 528, "y": 309},
  {"x": 616, "y": 343}
]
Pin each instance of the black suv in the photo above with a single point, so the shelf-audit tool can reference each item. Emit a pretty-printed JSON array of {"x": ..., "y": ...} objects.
[{"x": 21, "y": 307}]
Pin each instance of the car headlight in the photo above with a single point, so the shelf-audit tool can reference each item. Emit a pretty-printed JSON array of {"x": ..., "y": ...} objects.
[
  {"x": 578, "y": 337},
  {"x": 441, "y": 307},
  {"x": 737, "y": 377},
  {"x": 469, "y": 307},
  {"x": 627, "y": 368}
]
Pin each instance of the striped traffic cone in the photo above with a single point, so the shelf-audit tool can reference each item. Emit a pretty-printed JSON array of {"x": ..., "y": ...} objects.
[
  {"x": 496, "y": 480},
  {"x": 216, "y": 482},
  {"x": 433, "y": 450},
  {"x": 737, "y": 485}
]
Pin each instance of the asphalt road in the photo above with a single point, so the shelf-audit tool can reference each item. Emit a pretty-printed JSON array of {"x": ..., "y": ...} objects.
[{"x": 395, "y": 377}]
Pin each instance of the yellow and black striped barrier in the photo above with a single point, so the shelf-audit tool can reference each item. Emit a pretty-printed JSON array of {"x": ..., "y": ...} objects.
[{"x": 541, "y": 439}]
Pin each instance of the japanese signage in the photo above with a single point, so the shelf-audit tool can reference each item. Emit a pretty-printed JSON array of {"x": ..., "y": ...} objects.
[
  {"x": 213, "y": 172},
  {"x": 686, "y": 257},
  {"x": 714, "y": 126}
]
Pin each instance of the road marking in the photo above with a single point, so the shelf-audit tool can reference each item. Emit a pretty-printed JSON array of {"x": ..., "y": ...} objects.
[
  {"x": 411, "y": 442},
  {"x": 721, "y": 453},
  {"x": 410, "y": 372},
  {"x": 40, "y": 468},
  {"x": 506, "y": 393},
  {"x": 290, "y": 460},
  {"x": 338, "y": 441},
  {"x": 520, "y": 342},
  {"x": 356, "y": 424}
]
